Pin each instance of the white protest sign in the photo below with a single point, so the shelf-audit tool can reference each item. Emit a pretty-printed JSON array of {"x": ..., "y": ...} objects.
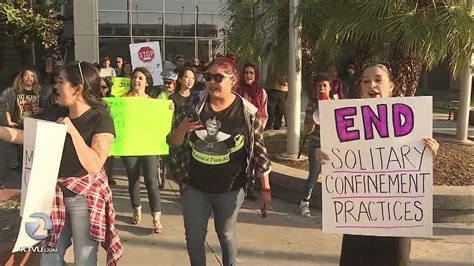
[
  {"x": 148, "y": 55},
  {"x": 380, "y": 174},
  {"x": 43, "y": 147}
]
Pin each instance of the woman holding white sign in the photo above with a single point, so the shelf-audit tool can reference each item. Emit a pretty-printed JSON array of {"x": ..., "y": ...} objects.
[
  {"x": 375, "y": 250},
  {"x": 82, "y": 208}
]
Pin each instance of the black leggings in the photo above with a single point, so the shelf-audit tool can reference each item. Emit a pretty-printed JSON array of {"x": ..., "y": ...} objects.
[
  {"x": 149, "y": 165},
  {"x": 360, "y": 250},
  {"x": 276, "y": 108},
  {"x": 109, "y": 167}
]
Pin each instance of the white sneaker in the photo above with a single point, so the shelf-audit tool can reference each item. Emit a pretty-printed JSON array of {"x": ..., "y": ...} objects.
[{"x": 304, "y": 209}]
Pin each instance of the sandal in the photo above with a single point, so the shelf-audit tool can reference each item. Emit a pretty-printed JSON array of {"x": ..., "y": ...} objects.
[
  {"x": 157, "y": 227},
  {"x": 137, "y": 216}
]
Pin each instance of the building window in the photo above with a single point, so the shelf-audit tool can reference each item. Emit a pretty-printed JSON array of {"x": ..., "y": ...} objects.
[
  {"x": 184, "y": 25},
  {"x": 114, "y": 46}
]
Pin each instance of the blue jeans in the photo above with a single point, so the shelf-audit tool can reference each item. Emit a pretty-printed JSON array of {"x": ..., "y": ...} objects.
[
  {"x": 197, "y": 208},
  {"x": 314, "y": 170},
  {"x": 77, "y": 226}
]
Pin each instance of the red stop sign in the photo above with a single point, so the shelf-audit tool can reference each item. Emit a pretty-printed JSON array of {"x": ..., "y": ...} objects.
[{"x": 146, "y": 54}]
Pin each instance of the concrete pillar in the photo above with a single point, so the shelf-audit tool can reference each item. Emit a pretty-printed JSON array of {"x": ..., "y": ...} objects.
[
  {"x": 293, "y": 105},
  {"x": 86, "y": 30},
  {"x": 465, "y": 95},
  {"x": 463, "y": 107}
]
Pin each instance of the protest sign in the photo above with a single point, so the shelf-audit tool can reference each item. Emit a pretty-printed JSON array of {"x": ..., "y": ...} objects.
[
  {"x": 43, "y": 147},
  {"x": 380, "y": 174},
  {"x": 120, "y": 86},
  {"x": 148, "y": 55},
  {"x": 141, "y": 125}
]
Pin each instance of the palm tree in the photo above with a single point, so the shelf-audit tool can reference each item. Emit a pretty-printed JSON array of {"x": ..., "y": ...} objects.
[
  {"x": 410, "y": 34},
  {"x": 258, "y": 31}
]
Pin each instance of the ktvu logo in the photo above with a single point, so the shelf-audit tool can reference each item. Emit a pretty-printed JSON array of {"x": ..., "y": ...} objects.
[{"x": 32, "y": 227}]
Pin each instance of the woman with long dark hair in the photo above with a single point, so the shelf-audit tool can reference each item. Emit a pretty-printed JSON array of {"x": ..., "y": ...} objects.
[
  {"x": 141, "y": 82},
  {"x": 82, "y": 192},
  {"x": 184, "y": 88}
]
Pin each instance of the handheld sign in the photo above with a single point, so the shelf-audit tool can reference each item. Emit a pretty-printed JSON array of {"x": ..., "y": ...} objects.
[
  {"x": 148, "y": 55},
  {"x": 380, "y": 174},
  {"x": 43, "y": 148},
  {"x": 120, "y": 86},
  {"x": 141, "y": 125}
]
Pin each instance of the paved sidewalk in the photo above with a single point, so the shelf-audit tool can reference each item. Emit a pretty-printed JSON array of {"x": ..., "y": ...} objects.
[
  {"x": 442, "y": 125},
  {"x": 283, "y": 238}
]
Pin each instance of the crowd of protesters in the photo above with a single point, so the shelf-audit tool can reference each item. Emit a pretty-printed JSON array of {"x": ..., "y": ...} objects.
[{"x": 219, "y": 112}]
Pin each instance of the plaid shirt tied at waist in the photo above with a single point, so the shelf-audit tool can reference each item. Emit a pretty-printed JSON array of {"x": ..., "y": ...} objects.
[{"x": 101, "y": 212}]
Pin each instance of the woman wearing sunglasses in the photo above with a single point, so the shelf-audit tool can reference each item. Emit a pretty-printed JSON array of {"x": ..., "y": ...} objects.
[
  {"x": 218, "y": 135},
  {"x": 360, "y": 250},
  {"x": 169, "y": 80},
  {"x": 82, "y": 192}
]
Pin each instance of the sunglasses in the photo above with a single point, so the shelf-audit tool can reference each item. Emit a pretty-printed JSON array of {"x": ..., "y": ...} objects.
[
  {"x": 104, "y": 87},
  {"x": 80, "y": 71},
  {"x": 169, "y": 82},
  {"x": 216, "y": 77}
]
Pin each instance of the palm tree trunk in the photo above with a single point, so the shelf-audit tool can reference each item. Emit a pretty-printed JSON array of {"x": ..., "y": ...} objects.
[
  {"x": 406, "y": 72},
  {"x": 363, "y": 55}
]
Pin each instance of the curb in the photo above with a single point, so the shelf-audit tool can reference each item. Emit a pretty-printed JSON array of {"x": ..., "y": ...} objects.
[{"x": 451, "y": 204}]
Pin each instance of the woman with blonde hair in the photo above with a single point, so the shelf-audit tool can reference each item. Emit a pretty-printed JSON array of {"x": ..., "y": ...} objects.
[{"x": 23, "y": 100}]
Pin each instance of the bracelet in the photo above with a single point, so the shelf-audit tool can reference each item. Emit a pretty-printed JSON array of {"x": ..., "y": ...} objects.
[{"x": 266, "y": 190}]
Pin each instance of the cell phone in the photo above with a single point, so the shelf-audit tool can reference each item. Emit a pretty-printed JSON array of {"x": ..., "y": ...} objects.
[{"x": 191, "y": 113}]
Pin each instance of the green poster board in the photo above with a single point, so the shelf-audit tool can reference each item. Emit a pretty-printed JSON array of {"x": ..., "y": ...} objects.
[
  {"x": 120, "y": 86},
  {"x": 141, "y": 125}
]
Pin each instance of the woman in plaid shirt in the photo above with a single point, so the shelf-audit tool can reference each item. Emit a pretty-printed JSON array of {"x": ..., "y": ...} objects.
[
  {"x": 218, "y": 147},
  {"x": 82, "y": 208}
]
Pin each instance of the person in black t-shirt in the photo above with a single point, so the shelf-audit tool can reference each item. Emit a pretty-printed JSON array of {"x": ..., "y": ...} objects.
[
  {"x": 218, "y": 145},
  {"x": 90, "y": 135},
  {"x": 184, "y": 88},
  {"x": 22, "y": 101}
]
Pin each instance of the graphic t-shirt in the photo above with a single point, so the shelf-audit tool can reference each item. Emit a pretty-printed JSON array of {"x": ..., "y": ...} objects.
[
  {"x": 21, "y": 105},
  {"x": 219, "y": 154}
]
